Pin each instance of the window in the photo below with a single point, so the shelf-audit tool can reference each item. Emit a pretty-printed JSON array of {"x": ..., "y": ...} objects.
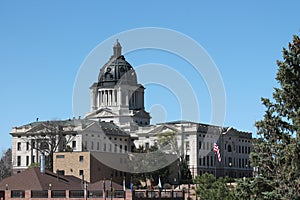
[
  {"x": 125, "y": 148},
  {"x": 60, "y": 172},
  {"x": 229, "y": 148},
  {"x": 17, "y": 194},
  {"x": 104, "y": 147},
  {"x": 27, "y": 160},
  {"x": 85, "y": 145},
  {"x": 110, "y": 148},
  {"x": 81, "y": 172},
  {"x": 80, "y": 158},
  {"x": 187, "y": 145},
  {"x": 203, "y": 161},
  {"x": 211, "y": 161},
  {"x": 74, "y": 144},
  {"x": 242, "y": 149},
  {"x": 19, "y": 146},
  {"x": 187, "y": 158},
  {"x": 207, "y": 160},
  {"x": 33, "y": 144},
  {"x": 147, "y": 145},
  {"x": 200, "y": 161},
  {"x": 200, "y": 145},
  {"x": 98, "y": 145},
  {"x": 230, "y": 162},
  {"x": 27, "y": 146},
  {"x": 33, "y": 159},
  {"x": 60, "y": 156},
  {"x": 19, "y": 161},
  {"x": 115, "y": 148},
  {"x": 92, "y": 145},
  {"x": 121, "y": 148}
]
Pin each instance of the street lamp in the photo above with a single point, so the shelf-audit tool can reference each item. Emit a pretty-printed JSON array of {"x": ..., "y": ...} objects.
[{"x": 230, "y": 164}]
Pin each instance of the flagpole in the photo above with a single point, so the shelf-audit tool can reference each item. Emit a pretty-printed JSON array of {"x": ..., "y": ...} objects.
[{"x": 216, "y": 165}]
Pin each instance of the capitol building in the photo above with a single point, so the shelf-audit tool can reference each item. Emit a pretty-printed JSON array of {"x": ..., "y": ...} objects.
[{"x": 116, "y": 124}]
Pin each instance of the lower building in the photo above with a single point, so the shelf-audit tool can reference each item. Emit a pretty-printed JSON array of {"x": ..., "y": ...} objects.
[
  {"x": 91, "y": 166},
  {"x": 194, "y": 143}
]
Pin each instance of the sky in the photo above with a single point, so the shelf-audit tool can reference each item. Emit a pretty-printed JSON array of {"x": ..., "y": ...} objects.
[{"x": 44, "y": 43}]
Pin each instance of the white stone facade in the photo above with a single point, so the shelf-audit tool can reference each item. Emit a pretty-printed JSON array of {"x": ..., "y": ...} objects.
[{"x": 76, "y": 135}]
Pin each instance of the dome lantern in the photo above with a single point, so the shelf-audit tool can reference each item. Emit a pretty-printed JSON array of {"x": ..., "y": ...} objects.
[{"x": 117, "y": 49}]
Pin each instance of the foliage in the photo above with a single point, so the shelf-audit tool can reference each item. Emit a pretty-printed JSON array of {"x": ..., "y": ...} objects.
[
  {"x": 167, "y": 142},
  {"x": 32, "y": 165},
  {"x": 163, "y": 173},
  {"x": 52, "y": 139},
  {"x": 276, "y": 153},
  {"x": 5, "y": 164},
  {"x": 208, "y": 187}
]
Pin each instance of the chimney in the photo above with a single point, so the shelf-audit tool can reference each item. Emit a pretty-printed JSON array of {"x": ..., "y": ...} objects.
[{"x": 43, "y": 163}]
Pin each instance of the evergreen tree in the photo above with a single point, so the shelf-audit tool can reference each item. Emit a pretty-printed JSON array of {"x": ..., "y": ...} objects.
[
  {"x": 276, "y": 153},
  {"x": 5, "y": 164},
  {"x": 208, "y": 187}
]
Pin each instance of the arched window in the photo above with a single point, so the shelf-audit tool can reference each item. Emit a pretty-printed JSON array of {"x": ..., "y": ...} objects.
[{"x": 229, "y": 148}]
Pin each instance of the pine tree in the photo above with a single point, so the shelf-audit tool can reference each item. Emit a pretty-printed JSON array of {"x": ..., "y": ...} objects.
[{"x": 277, "y": 151}]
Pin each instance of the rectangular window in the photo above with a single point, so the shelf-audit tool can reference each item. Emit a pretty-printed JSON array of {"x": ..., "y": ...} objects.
[
  {"x": 81, "y": 172},
  {"x": 200, "y": 161},
  {"x": 187, "y": 145},
  {"x": 187, "y": 158},
  {"x": 121, "y": 148},
  {"x": 33, "y": 159},
  {"x": 80, "y": 158},
  {"x": 17, "y": 194},
  {"x": 207, "y": 160},
  {"x": 98, "y": 145},
  {"x": 242, "y": 149},
  {"x": 19, "y": 161},
  {"x": 60, "y": 156},
  {"x": 147, "y": 145},
  {"x": 85, "y": 145},
  {"x": 74, "y": 144},
  {"x": 203, "y": 161},
  {"x": 33, "y": 144},
  {"x": 200, "y": 145},
  {"x": 115, "y": 148},
  {"x": 104, "y": 147},
  {"x": 19, "y": 146},
  {"x": 92, "y": 145},
  {"x": 125, "y": 148},
  {"x": 27, "y": 160},
  {"x": 27, "y": 146},
  {"x": 61, "y": 172}
]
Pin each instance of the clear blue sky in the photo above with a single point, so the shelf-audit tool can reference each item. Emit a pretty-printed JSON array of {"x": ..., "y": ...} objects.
[{"x": 43, "y": 44}]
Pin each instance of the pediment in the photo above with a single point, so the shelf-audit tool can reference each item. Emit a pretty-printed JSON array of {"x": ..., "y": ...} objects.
[
  {"x": 40, "y": 129},
  {"x": 163, "y": 129},
  {"x": 103, "y": 112}
]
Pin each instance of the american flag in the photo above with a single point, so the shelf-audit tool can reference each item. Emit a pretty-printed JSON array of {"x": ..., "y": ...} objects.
[{"x": 217, "y": 150}]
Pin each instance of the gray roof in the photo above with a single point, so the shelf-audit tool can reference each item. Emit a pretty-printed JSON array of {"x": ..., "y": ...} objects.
[{"x": 110, "y": 128}]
